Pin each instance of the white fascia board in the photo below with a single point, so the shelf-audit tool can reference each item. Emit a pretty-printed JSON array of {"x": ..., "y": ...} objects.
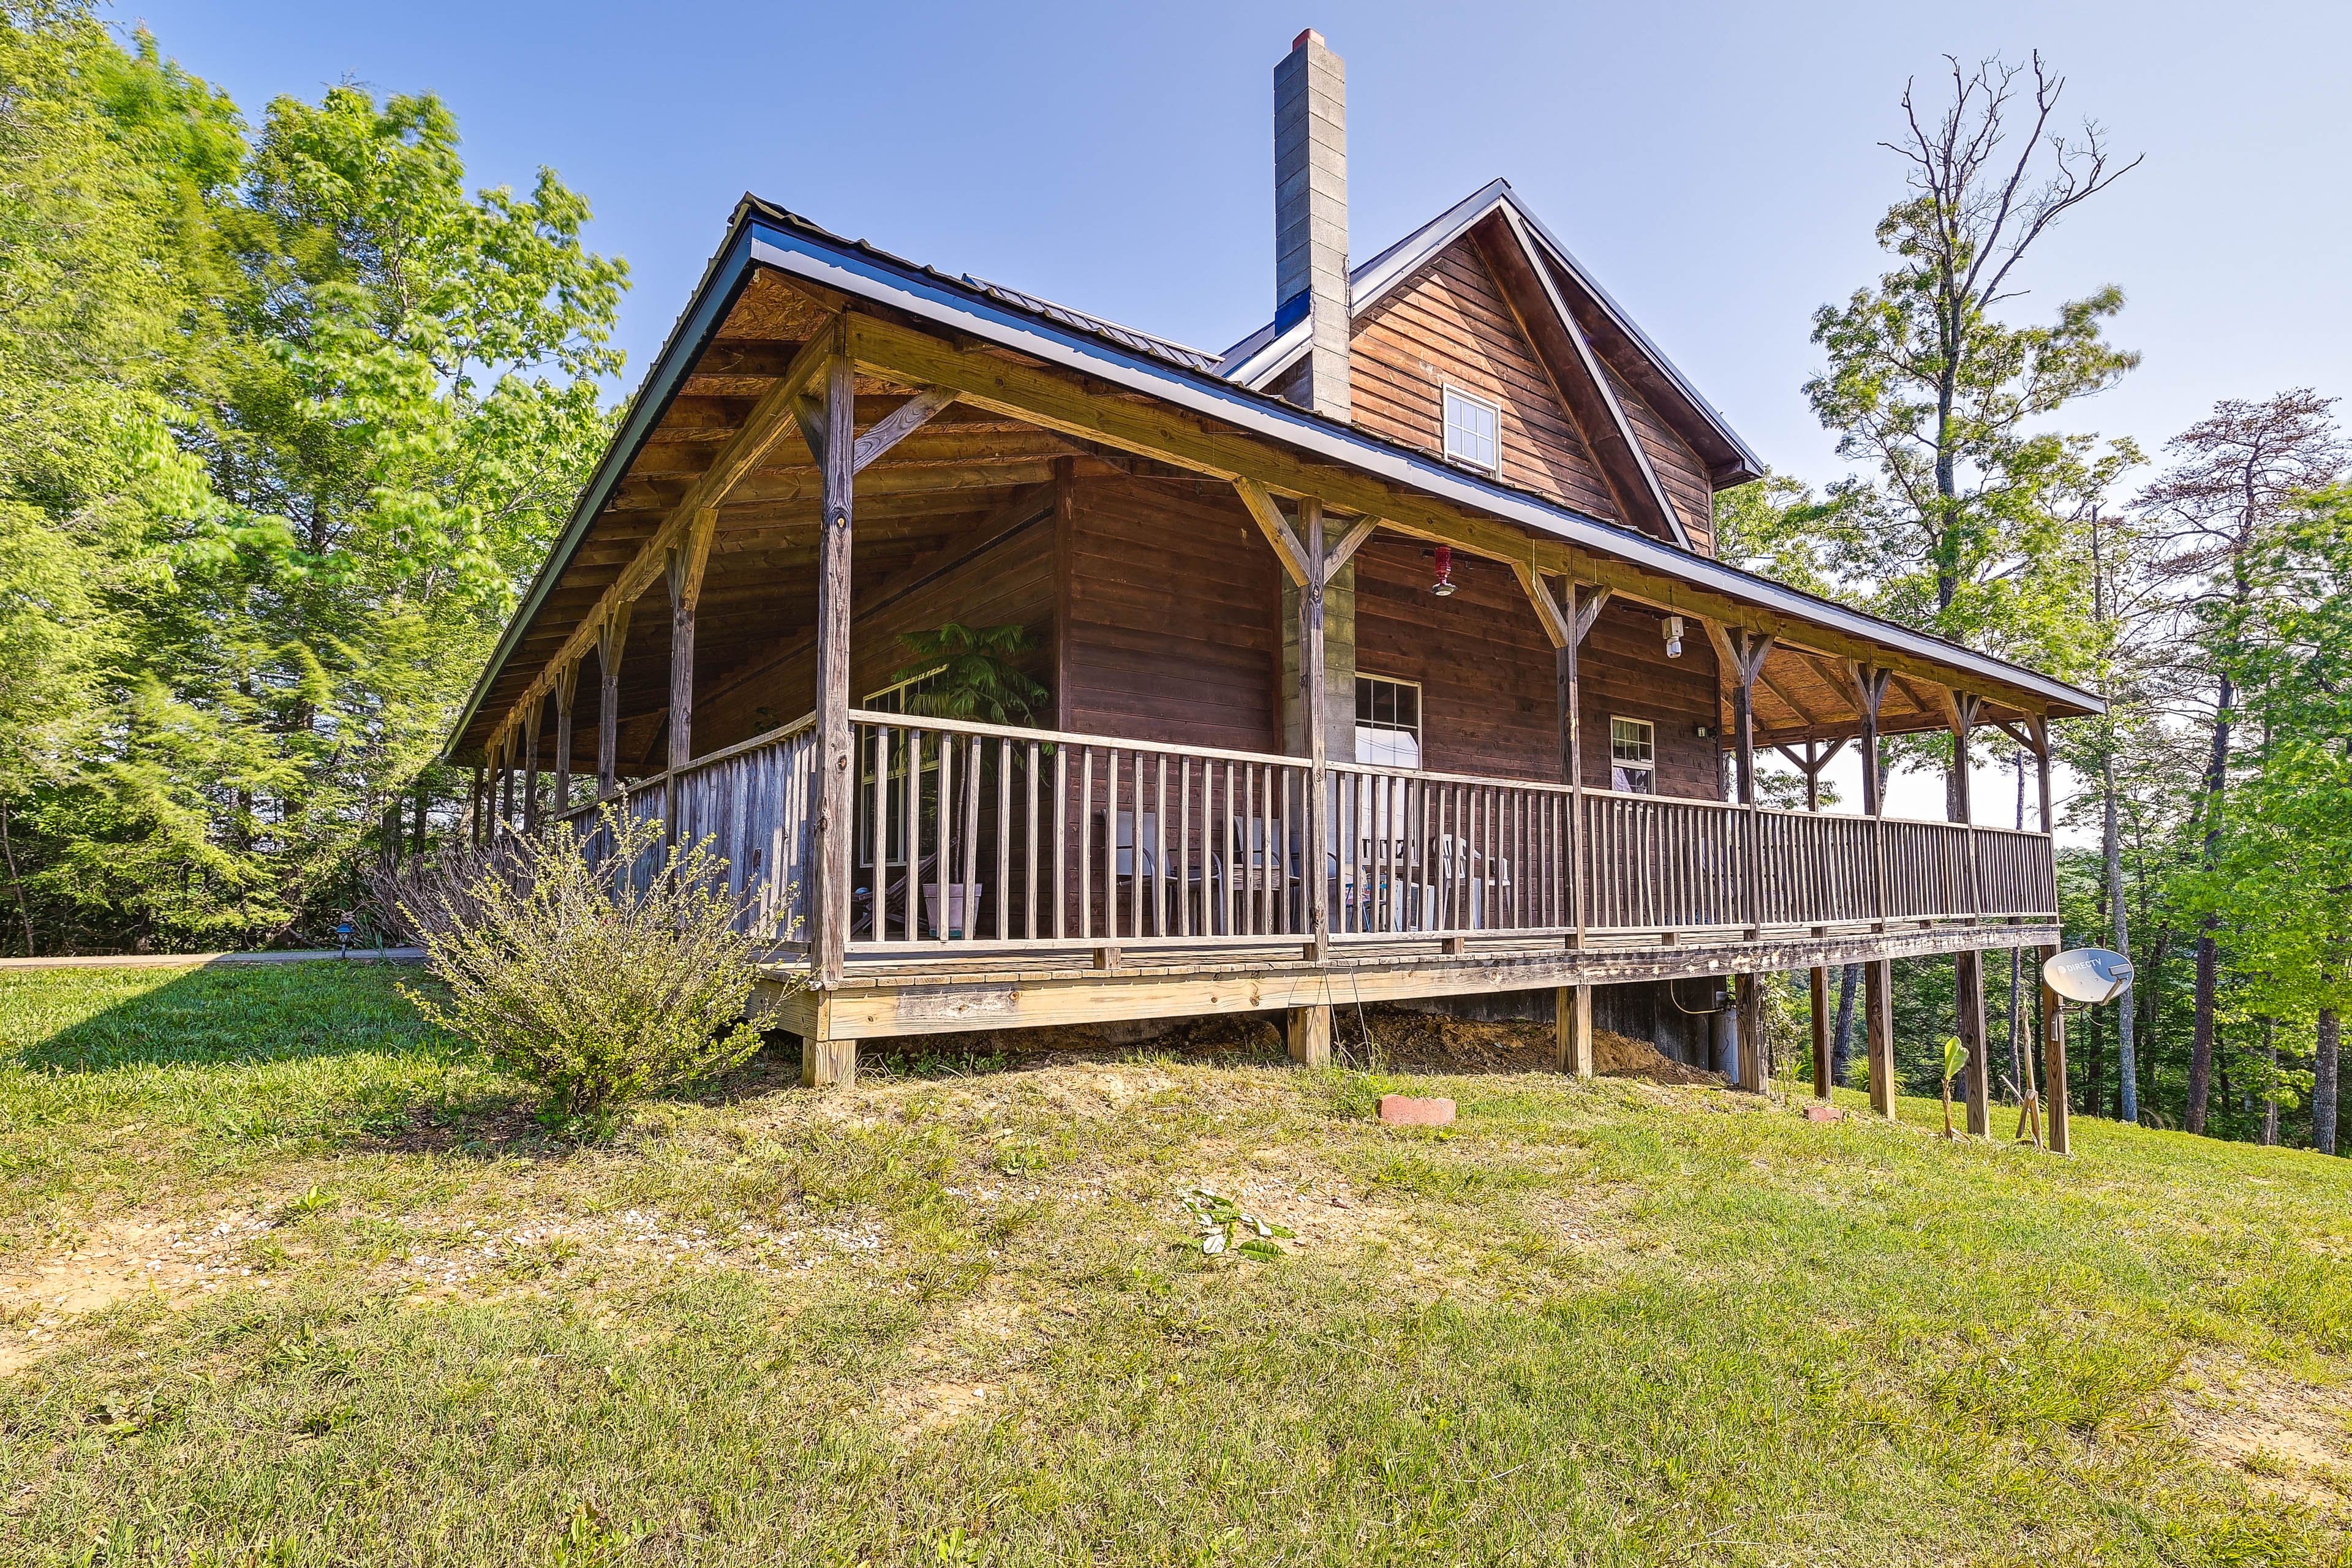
[{"x": 930, "y": 299}]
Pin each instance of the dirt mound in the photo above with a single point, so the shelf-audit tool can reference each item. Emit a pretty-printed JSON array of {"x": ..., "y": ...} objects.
[
  {"x": 1376, "y": 1035},
  {"x": 1621, "y": 1056}
]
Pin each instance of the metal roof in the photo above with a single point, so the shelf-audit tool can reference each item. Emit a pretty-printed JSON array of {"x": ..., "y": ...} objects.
[
  {"x": 1168, "y": 349},
  {"x": 763, "y": 234}
]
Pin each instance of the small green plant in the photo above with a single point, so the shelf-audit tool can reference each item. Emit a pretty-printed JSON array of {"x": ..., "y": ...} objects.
[
  {"x": 967, "y": 672},
  {"x": 1956, "y": 1061},
  {"x": 600, "y": 982},
  {"x": 1225, "y": 1227},
  {"x": 955, "y": 1549},
  {"x": 313, "y": 1199}
]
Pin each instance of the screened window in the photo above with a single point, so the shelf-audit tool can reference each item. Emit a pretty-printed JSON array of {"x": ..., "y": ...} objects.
[
  {"x": 1473, "y": 429},
  {"x": 1388, "y": 722},
  {"x": 1633, "y": 756}
]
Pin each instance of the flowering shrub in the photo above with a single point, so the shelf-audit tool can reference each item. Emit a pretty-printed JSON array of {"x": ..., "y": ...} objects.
[{"x": 600, "y": 979}]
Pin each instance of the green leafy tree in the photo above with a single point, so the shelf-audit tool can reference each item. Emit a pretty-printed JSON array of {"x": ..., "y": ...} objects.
[{"x": 1964, "y": 523}]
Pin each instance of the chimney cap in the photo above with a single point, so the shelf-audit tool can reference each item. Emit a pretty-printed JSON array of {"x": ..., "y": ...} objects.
[{"x": 1302, "y": 38}]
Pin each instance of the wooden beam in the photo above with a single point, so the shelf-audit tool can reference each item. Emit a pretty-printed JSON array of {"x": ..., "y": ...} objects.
[
  {"x": 1277, "y": 529},
  {"x": 1313, "y": 721},
  {"x": 898, "y": 424},
  {"x": 686, "y": 560},
  {"x": 567, "y": 692},
  {"x": 768, "y": 418},
  {"x": 1548, "y": 610},
  {"x": 1783, "y": 693},
  {"x": 829, "y": 898},
  {"x": 1000, "y": 384},
  {"x": 1349, "y": 545},
  {"x": 612, "y": 641},
  {"x": 1572, "y": 1029},
  {"x": 1589, "y": 611}
]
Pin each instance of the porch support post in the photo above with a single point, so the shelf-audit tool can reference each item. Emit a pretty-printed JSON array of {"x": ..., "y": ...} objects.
[
  {"x": 506, "y": 782},
  {"x": 1755, "y": 1063},
  {"x": 612, "y": 641},
  {"x": 567, "y": 691},
  {"x": 474, "y": 812},
  {"x": 1308, "y": 1032},
  {"x": 830, "y": 904},
  {"x": 1572, "y": 1029},
  {"x": 1314, "y": 704},
  {"x": 532, "y": 714},
  {"x": 686, "y": 562},
  {"x": 1567, "y": 620},
  {"x": 1821, "y": 1001}
]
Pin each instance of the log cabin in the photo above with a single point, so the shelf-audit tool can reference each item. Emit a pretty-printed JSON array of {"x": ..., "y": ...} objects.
[{"x": 1384, "y": 655}]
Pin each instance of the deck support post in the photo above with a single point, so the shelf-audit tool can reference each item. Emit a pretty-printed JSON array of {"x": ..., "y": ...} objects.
[
  {"x": 1572, "y": 1029},
  {"x": 506, "y": 782},
  {"x": 1755, "y": 1061},
  {"x": 567, "y": 691},
  {"x": 2053, "y": 1064},
  {"x": 827, "y": 1063},
  {"x": 829, "y": 902},
  {"x": 1309, "y": 1035},
  {"x": 474, "y": 812},
  {"x": 1878, "y": 1007},
  {"x": 1968, "y": 965},
  {"x": 1821, "y": 1009},
  {"x": 1314, "y": 717},
  {"x": 612, "y": 642}
]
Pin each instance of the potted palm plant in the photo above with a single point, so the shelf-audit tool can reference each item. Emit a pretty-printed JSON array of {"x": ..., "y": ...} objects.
[{"x": 965, "y": 672}]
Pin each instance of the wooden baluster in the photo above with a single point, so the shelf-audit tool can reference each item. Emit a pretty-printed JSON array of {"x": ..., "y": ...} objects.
[
  {"x": 879, "y": 840},
  {"x": 1060, "y": 841},
  {"x": 1086, "y": 846}
]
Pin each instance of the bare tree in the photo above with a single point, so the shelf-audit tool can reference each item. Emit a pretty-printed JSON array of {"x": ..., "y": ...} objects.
[
  {"x": 1922, "y": 379},
  {"x": 2233, "y": 477}
]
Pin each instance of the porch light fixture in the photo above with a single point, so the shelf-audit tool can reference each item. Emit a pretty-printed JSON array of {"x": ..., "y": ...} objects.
[
  {"x": 1674, "y": 637},
  {"x": 1444, "y": 586}
]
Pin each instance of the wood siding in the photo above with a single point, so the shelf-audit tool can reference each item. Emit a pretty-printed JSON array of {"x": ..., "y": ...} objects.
[
  {"x": 1006, "y": 579},
  {"x": 1173, "y": 627},
  {"x": 1489, "y": 677},
  {"x": 1676, "y": 465},
  {"x": 1448, "y": 322}
]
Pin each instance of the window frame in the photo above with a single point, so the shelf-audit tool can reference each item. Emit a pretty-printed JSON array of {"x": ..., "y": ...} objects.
[
  {"x": 1420, "y": 710},
  {"x": 1445, "y": 424},
  {"x": 1647, "y": 766}
]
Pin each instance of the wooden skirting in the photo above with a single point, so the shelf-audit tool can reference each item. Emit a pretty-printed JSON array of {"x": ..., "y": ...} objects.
[{"x": 892, "y": 995}]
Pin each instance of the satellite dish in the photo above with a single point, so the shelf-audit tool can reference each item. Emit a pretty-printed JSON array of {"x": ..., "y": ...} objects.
[{"x": 2089, "y": 974}]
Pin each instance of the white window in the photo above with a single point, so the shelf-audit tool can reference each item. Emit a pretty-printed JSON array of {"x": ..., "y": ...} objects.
[
  {"x": 1472, "y": 430},
  {"x": 1633, "y": 756},
  {"x": 1388, "y": 722}
]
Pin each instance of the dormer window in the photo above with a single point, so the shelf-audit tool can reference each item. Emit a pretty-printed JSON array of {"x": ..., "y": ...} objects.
[{"x": 1472, "y": 430}]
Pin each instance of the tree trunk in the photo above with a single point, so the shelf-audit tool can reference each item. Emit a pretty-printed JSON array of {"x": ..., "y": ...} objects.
[
  {"x": 2322, "y": 1081},
  {"x": 2270, "y": 1086},
  {"x": 2126, "y": 1005},
  {"x": 1841, "y": 1043},
  {"x": 2208, "y": 953},
  {"x": 16, "y": 881}
]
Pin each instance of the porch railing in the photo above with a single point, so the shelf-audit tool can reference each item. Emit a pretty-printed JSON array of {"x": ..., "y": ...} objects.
[{"x": 966, "y": 836}]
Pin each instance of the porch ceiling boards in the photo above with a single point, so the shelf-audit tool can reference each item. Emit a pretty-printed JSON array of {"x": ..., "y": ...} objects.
[{"x": 934, "y": 488}]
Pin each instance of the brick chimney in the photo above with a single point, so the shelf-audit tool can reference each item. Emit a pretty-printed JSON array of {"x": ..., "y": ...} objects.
[{"x": 1310, "y": 213}]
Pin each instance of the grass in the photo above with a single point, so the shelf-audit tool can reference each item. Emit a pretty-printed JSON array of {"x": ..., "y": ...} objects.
[{"x": 329, "y": 1297}]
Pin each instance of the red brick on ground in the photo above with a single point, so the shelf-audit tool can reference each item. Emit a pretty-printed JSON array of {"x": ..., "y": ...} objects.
[
  {"x": 1825, "y": 1113},
  {"x": 1404, "y": 1110}
]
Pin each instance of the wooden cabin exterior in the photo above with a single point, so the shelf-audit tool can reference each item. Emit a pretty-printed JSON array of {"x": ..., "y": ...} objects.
[{"x": 1517, "y": 783}]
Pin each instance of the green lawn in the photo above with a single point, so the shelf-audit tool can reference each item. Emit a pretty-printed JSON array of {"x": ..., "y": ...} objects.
[{"x": 328, "y": 1295}]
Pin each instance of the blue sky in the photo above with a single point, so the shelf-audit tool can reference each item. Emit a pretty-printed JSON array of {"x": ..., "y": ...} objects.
[{"x": 1716, "y": 165}]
